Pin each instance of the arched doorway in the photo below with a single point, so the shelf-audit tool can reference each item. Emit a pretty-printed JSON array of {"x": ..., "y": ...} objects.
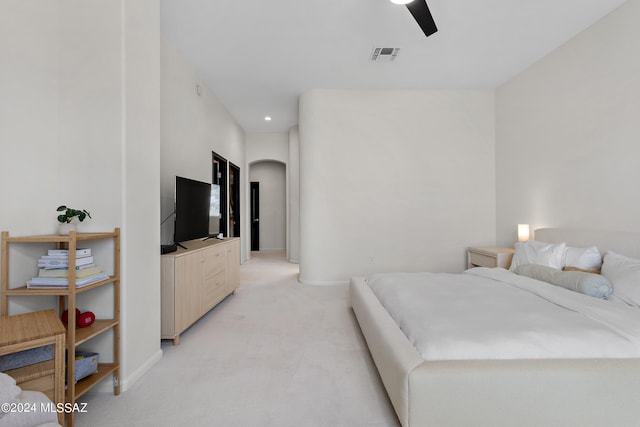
[{"x": 269, "y": 199}]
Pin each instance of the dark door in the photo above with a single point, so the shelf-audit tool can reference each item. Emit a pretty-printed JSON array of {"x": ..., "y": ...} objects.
[
  {"x": 234, "y": 200},
  {"x": 220, "y": 178},
  {"x": 255, "y": 216}
]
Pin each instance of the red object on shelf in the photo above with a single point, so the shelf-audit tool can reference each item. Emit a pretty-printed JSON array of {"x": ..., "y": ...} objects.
[
  {"x": 82, "y": 319},
  {"x": 85, "y": 319},
  {"x": 65, "y": 316}
]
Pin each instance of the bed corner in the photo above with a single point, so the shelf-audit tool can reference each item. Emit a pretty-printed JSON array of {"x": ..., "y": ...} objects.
[{"x": 392, "y": 353}]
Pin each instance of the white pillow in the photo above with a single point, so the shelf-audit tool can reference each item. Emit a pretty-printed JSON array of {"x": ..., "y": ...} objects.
[
  {"x": 624, "y": 274},
  {"x": 583, "y": 258},
  {"x": 594, "y": 285},
  {"x": 534, "y": 252}
]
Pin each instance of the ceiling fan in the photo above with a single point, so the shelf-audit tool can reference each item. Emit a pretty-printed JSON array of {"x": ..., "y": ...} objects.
[{"x": 421, "y": 14}]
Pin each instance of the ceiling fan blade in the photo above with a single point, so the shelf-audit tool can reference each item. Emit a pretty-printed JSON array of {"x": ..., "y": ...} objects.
[{"x": 422, "y": 15}]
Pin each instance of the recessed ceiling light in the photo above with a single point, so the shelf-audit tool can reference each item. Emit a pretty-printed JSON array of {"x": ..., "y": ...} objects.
[
  {"x": 267, "y": 118},
  {"x": 401, "y": 1}
]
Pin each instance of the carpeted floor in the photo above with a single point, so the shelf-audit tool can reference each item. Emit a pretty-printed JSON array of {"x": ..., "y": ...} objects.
[{"x": 277, "y": 353}]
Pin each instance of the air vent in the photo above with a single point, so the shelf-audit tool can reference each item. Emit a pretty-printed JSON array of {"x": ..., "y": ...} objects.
[{"x": 384, "y": 54}]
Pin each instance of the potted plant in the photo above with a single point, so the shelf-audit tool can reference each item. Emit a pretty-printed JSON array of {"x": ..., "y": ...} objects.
[{"x": 69, "y": 218}]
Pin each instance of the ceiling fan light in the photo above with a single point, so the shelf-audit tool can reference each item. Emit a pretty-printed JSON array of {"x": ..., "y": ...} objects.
[{"x": 401, "y": 1}]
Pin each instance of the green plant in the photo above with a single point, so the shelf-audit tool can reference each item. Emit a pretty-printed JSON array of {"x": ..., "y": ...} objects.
[{"x": 69, "y": 214}]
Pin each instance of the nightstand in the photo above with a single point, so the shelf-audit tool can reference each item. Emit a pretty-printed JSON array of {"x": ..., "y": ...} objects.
[{"x": 489, "y": 257}]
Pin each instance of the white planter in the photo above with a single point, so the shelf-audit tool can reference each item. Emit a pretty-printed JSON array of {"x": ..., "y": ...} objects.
[{"x": 65, "y": 227}]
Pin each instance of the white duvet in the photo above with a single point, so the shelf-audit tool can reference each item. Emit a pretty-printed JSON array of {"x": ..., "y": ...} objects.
[{"x": 495, "y": 314}]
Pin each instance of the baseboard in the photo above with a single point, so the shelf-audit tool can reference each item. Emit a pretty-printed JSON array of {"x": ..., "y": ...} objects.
[
  {"x": 322, "y": 283},
  {"x": 138, "y": 373},
  {"x": 106, "y": 385}
]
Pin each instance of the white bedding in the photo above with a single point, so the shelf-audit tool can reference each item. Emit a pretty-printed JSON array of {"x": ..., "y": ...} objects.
[{"x": 496, "y": 314}]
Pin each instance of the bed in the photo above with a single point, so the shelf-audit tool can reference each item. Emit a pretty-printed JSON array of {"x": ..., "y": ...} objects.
[{"x": 579, "y": 387}]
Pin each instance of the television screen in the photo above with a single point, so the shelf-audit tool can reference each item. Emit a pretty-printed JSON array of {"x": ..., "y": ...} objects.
[{"x": 193, "y": 200}]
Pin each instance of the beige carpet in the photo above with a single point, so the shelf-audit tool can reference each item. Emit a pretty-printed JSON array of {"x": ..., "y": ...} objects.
[{"x": 277, "y": 353}]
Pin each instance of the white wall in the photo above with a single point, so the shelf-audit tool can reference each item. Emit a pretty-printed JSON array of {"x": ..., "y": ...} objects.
[
  {"x": 293, "y": 174},
  {"x": 29, "y": 122},
  {"x": 192, "y": 128},
  {"x": 141, "y": 188},
  {"x": 267, "y": 146},
  {"x": 394, "y": 180},
  {"x": 272, "y": 178},
  {"x": 567, "y": 134},
  {"x": 79, "y": 125}
]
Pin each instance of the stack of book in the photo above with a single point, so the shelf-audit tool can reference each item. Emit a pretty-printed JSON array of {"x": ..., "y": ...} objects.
[{"x": 54, "y": 270}]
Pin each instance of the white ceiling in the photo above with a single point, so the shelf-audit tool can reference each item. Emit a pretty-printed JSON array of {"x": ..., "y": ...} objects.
[{"x": 258, "y": 56}]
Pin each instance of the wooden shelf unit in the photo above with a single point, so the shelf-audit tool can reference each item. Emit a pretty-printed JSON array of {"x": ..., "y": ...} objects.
[
  {"x": 67, "y": 300},
  {"x": 32, "y": 330}
]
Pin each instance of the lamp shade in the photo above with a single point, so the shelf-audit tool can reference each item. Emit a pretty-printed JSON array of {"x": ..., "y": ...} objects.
[{"x": 523, "y": 232}]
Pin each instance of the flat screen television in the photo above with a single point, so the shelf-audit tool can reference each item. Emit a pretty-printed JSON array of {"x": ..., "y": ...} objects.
[{"x": 193, "y": 204}]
